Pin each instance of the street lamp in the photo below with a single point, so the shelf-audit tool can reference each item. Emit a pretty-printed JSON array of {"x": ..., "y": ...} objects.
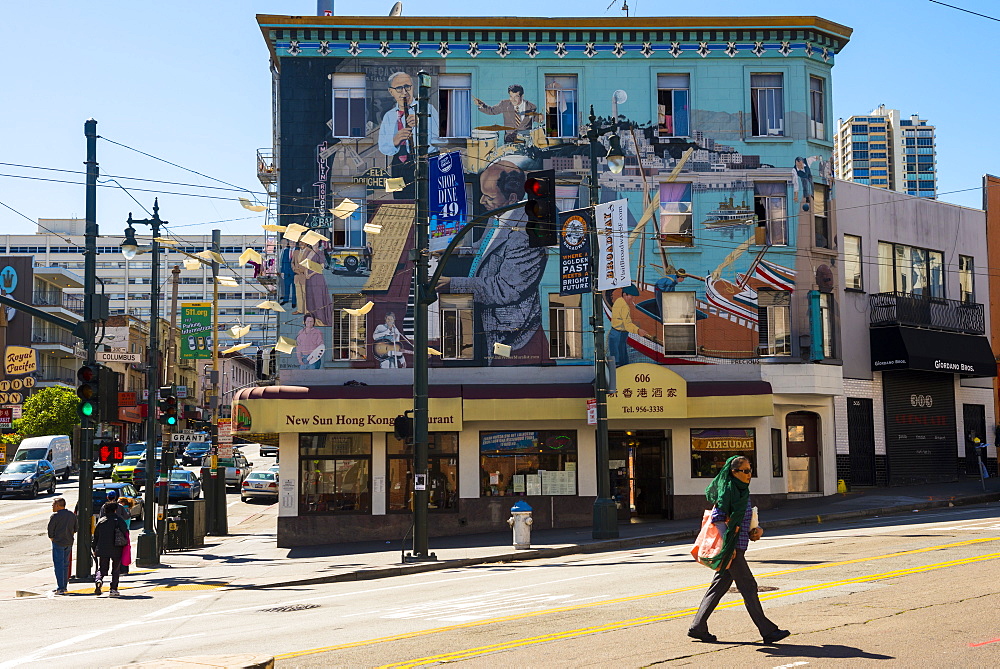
[
  {"x": 130, "y": 247},
  {"x": 605, "y": 524}
]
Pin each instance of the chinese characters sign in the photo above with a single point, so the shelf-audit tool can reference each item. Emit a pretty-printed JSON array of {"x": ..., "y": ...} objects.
[{"x": 648, "y": 391}]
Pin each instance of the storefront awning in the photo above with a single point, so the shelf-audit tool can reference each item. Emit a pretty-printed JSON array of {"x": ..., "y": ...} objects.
[{"x": 932, "y": 351}]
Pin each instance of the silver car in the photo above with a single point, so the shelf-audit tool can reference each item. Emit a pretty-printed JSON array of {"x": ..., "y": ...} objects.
[{"x": 260, "y": 484}]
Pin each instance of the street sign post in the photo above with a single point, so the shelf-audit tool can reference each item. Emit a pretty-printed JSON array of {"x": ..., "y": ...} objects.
[
  {"x": 115, "y": 356},
  {"x": 182, "y": 438}
]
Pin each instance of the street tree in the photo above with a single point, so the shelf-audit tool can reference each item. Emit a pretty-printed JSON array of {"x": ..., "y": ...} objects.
[{"x": 48, "y": 411}]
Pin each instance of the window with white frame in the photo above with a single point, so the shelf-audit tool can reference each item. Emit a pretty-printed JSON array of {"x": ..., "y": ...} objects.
[
  {"x": 348, "y": 232},
  {"x": 770, "y": 202},
  {"x": 773, "y": 322},
  {"x": 455, "y": 105},
  {"x": 456, "y": 327},
  {"x": 826, "y": 323},
  {"x": 853, "y": 279},
  {"x": 348, "y": 105},
  {"x": 821, "y": 218},
  {"x": 560, "y": 105},
  {"x": 673, "y": 92},
  {"x": 679, "y": 316},
  {"x": 966, "y": 279},
  {"x": 910, "y": 270},
  {"x": 817, "y": 108},
  {"x": 565, "y": 326},
  {"x": 676, "y": 224},
  {"x": 348, "y": 331},
  {"x": 767, "y": 106}
]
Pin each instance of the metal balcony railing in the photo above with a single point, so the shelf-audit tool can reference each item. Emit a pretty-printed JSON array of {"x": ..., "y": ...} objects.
[
  {"x": 53, "y": 336},
  {"x": 935, "y": 313},
  {"x": 73, "y": 303},
  {"x": 56, "y": 373}
]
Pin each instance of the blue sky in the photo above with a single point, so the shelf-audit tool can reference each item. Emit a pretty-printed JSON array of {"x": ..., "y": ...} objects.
[{"x": 188, "y": 82}]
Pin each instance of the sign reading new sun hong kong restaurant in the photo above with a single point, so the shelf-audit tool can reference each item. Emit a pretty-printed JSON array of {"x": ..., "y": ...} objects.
[{"x": 339, "y": 415}]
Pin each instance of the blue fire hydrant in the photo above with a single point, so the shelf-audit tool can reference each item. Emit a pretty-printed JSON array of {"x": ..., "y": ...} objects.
[{"x": 520, "y": 521}]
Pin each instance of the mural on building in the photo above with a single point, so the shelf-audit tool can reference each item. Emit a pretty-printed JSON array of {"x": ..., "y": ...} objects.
[{"x": 710, "y": 222}]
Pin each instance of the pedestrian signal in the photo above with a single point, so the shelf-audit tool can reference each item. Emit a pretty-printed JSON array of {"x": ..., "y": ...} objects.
[{"x": 111, "y": 452}]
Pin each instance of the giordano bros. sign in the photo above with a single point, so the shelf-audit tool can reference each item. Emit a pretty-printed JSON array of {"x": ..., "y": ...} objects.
[{"x": 339, "y": 415}]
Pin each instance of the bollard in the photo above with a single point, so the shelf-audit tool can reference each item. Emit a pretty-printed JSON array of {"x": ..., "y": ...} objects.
[{"x": 520, "y": 521}]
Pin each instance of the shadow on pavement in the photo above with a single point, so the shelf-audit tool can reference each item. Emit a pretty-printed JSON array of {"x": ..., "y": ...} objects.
[{"x": 788, "y": 650}]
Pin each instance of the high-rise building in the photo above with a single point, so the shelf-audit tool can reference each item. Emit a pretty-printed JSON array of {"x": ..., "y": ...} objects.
[{"x": 884, "y": 150}]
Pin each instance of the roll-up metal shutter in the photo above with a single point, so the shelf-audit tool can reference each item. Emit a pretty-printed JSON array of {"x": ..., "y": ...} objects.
[{"x": 920, "y": 433}]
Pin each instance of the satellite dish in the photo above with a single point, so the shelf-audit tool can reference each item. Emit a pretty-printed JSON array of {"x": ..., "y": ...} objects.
[
  {"x": 619, "y": 97},
  {"x": 397, "y": 9}
]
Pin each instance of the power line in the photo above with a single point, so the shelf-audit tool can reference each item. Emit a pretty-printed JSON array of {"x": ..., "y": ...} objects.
[{"x": 967, "y": 11}]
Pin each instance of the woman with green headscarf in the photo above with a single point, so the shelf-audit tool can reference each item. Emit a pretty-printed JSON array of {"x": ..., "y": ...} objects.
[{"x": 729, "y": 493}]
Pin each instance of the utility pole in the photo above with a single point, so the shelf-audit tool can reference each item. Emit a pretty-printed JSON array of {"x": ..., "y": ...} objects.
[
  {"x": 221, "y": 518},
  {"x": 88, "y": 424},
  {"x": 172, "y": 347}
]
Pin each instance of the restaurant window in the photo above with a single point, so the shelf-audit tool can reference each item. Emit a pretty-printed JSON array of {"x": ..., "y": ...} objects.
[
  {"x": 770, "y": 209},
  {"x": 672, "y": 94},
  {"x": 347, "y": 332},
  {"x": 565, "y": 327},
  {"x": 560, "y": 105},
  {"x": 777, "y": 469},
  {"x": 853, "y": 278},
  {"x": 534, "y": 462},
  {"x": 773, "y": 322},
  {"x": 711, "y": 447},
  {"x": 455, "y": 105},
  {"x": 767, "y": 106},
  {"x": 821, "y": 218},
  {"x": 442, "y": 472},
  {"x": 456, "y": 327},
  {"x": 911, "y": 270},
  {"x": 679, "y": 315},
  {"x": 966, "y": 279},
  {"x": 335, "y": 473},
  {"x": 348, "y": 105},
  {"x": 676, "y": 225}
]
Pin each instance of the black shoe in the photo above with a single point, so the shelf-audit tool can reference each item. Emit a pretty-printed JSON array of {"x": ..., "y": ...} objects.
[
  {"x": 704, "y": 636},
  {"x": 776, "y": 636}
]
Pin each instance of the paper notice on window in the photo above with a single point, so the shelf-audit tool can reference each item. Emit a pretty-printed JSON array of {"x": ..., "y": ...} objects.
[
  {"x": 495, "y": 478},
  {"x": 533, "y": 484},
  {"x": 571, "y": 466},
  {"x": 518, "y": 483}
]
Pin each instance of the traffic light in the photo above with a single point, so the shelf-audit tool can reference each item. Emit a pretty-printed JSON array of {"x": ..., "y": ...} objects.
[
  {"x": 168, "y": 406},
  {"x": 107, "y": 400},
  {"x": 540, "y": 188},
  {"x": 88, "y": 391},
  {"x": 111, "y": 452},
  {"x": 402, "y": 427}
]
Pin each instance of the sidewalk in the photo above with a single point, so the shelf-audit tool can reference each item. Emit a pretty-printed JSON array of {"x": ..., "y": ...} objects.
[{"x": 253, "y": 561}]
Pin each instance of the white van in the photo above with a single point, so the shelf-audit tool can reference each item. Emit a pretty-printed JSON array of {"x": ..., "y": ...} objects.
[{"x": 54, "y": 448}]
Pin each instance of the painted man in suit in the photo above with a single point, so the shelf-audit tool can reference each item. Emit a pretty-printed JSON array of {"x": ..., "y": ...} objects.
[
  {"x": 516, "y": 111},
  {"x": 505, "y": 274},
  {"x": 397, "y": 135}
]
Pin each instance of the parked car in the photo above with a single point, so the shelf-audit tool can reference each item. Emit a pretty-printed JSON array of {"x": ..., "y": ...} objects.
[
  {"x": 135, "y": 448},
  {"x": 56, "y": 449},
  {"x": 139, "y": 471},
  {"x": 260, "y": 484},
  {"x": 27, "y": 478},
  {"x": 195, "y": 453},
  {"x": 274, "y": 468},
  {"x": 128, "y": 497},
  {"x": 237, "y": 468},
  {"x": 182, "y": 485},
  {"x": 268, "y": 450},
  {"x": 122, "y": 472}
]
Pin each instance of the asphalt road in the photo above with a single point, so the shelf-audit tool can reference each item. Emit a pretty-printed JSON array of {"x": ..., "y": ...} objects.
[{"x": 914, "y": 590}]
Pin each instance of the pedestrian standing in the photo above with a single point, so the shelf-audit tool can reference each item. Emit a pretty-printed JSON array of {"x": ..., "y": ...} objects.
[
  {"x": 62, "y": 528},
  {"x": 110, "y": 538},
  {"x": 729, "y": 493},
  {"x": 123, "y": 513}
]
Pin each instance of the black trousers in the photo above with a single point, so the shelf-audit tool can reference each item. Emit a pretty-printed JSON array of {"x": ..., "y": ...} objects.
[
  {"x": 116, "y": 567},
  {"x": 738, "y": 572}
]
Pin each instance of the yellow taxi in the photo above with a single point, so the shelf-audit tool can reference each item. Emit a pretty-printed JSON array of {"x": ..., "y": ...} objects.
[{"x": 122, "y": 473}]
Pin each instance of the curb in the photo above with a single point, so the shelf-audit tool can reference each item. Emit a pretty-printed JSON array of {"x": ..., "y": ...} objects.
[{"x": 599, "y": 546}]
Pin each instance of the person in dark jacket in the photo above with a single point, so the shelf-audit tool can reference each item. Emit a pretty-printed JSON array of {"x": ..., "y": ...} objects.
[
  {"x": 108, "y": 554},
  {"x": 62, "y": 528}
]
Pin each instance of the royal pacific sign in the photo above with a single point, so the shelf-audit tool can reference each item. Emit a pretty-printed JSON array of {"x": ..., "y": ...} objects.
[{"x": 20, "y": 360}]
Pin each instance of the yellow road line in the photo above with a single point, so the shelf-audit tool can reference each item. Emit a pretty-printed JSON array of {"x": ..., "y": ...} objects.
[
  {"x": 584, "y": 631},
  {"x": 604, "y": 602}
]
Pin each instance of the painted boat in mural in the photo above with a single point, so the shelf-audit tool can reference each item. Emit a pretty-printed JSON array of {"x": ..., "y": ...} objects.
[{"x": 730, "y": 215}]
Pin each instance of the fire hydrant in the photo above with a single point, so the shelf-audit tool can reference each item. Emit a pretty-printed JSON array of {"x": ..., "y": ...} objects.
[{"x": 520, "y": 522}]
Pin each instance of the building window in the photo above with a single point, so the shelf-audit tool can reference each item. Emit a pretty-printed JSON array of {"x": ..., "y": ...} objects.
[
  {"x": 535, "y": 462},
  {"x": 966, "y": 279},
  {"x": 560, "y": 105},
  {"x": 347, "y": 334},
  {"x": 348, "y": 232},
  {"x": 565, "y": 327},
  {"x": 348, "y": 105},
  {"x": 910, "y": 270},
  {"x": 767, "y": 110},
  {"x": 770, "y": 204},
  {"x": 826, "y": 323},
  {"x": 853, "y": 263},
  {"x": 817, "y": 108},
  {"x": 455, "y": 105},
  {"x": 442, "y": 472},
  {"x": 456, "y": 327},
  {"x": 773, "y": 322},
  {"x": 672, "y": 95},
  {"x": 711, "y": 447},
  {"x": 821, "y": 219},
  {"x": 676, "y": 225},
  {"x": 679, "y": 315},
  {"x": 777, "y": 470},
  {"x": 335, "y": 473}
]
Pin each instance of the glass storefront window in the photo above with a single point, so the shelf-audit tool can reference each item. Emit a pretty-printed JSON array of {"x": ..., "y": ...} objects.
[
  {"x": 442, "y": 472},
  {"x": 533, "y": 462},
  {"x": 711, "y": 447},
  {"x": 335, "y": 473}
]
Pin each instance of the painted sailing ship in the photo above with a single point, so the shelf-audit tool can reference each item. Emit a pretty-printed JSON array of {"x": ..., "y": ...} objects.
[{"x": 730, "y": 215}]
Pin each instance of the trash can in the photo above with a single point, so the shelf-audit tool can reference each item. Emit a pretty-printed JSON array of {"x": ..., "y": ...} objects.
[
  {"x": 520, "y": 521},
  {"x": 177, "y": 536},
  {"x": 194, "y": 513}
]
